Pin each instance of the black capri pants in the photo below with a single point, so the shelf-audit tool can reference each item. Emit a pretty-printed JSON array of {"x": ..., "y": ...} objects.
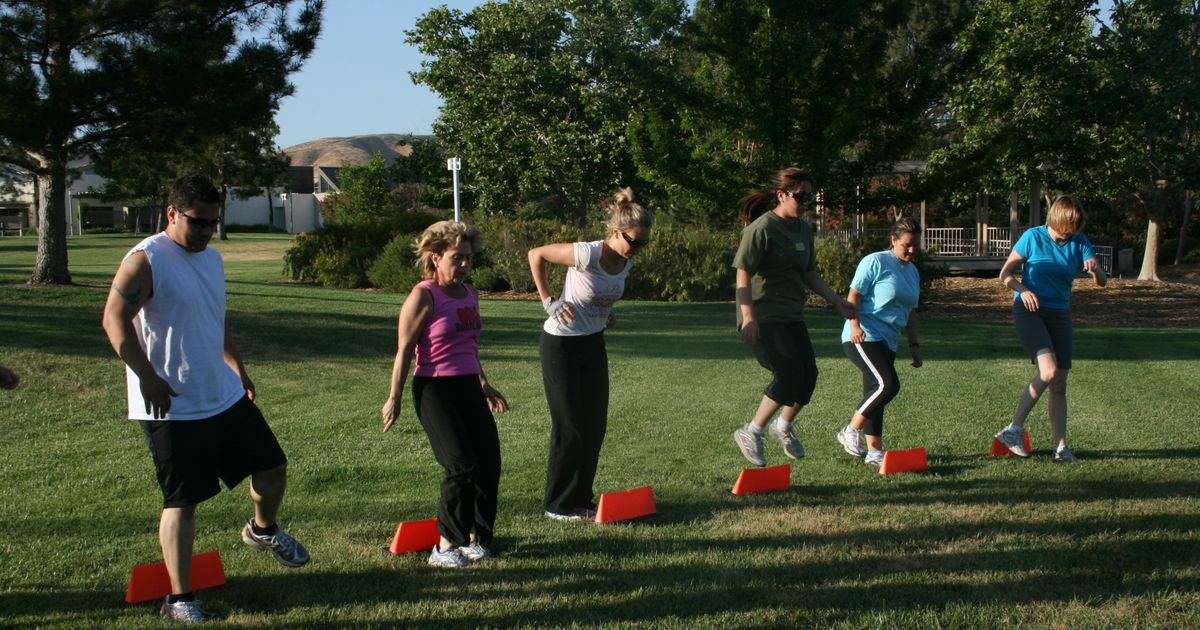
[
  {"x": 877, "y": 362},
  {"x": 575, "y": 375},
  {"x": 462, "y": 432},
  {"x": 785, "y": 349},
  {"x": 1045, "y": 330}
]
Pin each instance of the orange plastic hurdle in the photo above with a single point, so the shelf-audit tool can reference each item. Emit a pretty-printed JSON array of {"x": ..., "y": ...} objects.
[
  {"x": 150, "y": 581},
  {"x": 625, "y": 505},
  {"x": 415, "y": 536},
  {"x": 754, "y": 480},
  {"x": 908, "y": 460},
  {"x": 1000, "y": 450}
]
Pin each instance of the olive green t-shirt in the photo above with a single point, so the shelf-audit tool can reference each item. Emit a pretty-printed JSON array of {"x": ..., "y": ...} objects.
[{"x": 776, "y": 253}]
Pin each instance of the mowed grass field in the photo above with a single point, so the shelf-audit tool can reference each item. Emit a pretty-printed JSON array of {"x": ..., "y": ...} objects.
[{"x": 1108, "y": 542}]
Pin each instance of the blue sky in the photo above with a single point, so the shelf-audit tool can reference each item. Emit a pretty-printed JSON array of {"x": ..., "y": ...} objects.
[{"x": 357, "y": 82}]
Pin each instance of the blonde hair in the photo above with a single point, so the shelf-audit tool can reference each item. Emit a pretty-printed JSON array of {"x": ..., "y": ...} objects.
[
  {"x": 624, "y": 213},
  {"x": 441, "y": 236},
  {"x": 1066, "y": 213}
]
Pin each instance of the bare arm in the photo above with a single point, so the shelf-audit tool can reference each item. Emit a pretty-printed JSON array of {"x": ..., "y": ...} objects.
[
  {"x": 1092, "y": 266},
  {"x": 818, "y": 285},
  {"x": 131, "y": 288},
  {"x": 540, "y": 259},
  {"x": 1009, "y": 279},
  {"x": 745, "y": 303},
  {"x": 856, "y": 332},
  {"x": 416, "y": 309}
]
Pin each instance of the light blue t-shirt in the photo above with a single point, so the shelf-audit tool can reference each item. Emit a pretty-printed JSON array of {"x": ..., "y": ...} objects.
[
  {"x": 890, "y": 291},
  {"x": 1050, "y": 268}
]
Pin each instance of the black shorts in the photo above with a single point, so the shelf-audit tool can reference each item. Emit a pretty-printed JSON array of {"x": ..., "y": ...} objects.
[
  {"x": 191, "y": 455},
  {"x": 1044, "y": 330}
]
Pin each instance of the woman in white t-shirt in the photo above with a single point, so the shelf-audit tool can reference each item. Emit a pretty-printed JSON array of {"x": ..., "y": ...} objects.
[{"x": 574, "y": 359}]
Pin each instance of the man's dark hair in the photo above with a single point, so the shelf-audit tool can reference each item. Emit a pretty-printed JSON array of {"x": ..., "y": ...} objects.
[{"x": 189, "y": 189}]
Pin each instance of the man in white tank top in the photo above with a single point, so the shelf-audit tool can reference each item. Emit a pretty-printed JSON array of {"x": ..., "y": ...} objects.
[{"x": 188, "y": 388}]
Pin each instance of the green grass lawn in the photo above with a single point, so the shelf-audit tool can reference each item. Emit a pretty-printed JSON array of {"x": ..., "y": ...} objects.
[{"x": 974, "y": 542}]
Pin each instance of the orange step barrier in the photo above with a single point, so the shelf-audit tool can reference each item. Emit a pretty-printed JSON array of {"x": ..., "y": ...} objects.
[
  {"x": 625, "y": 505},
  {"x": 1000, "y": 450},
  {"x": 415, "y": 536},
  {"x": 150, "y": 581},
  {"x": 909, "y": 460},
  {"x": 754, "y": 480}
]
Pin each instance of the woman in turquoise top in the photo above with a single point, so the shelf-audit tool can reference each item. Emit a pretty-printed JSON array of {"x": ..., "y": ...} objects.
[
  {"x": 1052, "y": 254},
  {"x": 885, "y": 288}
]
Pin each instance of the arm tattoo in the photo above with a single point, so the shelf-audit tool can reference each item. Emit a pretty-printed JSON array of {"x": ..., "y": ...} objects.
[{"x": 132, "y": 298}]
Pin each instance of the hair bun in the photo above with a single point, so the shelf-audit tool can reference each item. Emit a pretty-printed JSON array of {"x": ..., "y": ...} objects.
[{"x": 623, "y": 196}]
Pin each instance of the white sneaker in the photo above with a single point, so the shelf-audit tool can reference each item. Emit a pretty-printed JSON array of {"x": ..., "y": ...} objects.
[
  {"x": 791, "y": 446},
  {"x": 1014, "y": 441},
  {"x": 287, "y": 550},
  {"x": 475, "y": 551},
  {"x": 750, "y": 444},
  {"x": 184, "y": 612},
  {"x": 451, "y": 558},
  {"x": 578, "y": 514},
  {"x": 851, "y": 441},
  {"x": 874, "y": 460}
]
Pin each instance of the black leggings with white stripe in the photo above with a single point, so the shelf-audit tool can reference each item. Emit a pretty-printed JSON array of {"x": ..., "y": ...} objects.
[{"x": 880, "y": 382}]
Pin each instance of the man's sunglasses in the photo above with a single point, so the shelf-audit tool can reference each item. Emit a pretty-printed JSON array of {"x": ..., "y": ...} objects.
[
  {"x": 201, "y": 223},
  {"x": 633, "y": 242}
]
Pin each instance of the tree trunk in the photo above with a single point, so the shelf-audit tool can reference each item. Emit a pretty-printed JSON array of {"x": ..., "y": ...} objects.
[
  {"x": 221, "y": 233},
  {"x": 270, "y": 209},
  {"x": 50, "y": 266},
  {"x": 1150, "y": 258},
  {"x": 1188, "y": 199},
  {"x": 1035, "y": 203}
]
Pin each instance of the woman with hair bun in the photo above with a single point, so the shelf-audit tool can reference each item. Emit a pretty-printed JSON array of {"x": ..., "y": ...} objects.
[
  {"x": 776, "y": 268},
  {"x": 573, "y": 355},
  {"x": 439, "y": 327}
]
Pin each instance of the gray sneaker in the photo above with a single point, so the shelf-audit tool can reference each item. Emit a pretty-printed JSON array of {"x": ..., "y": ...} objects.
[
  {"x": 851, "y": 441},
  {"x": 751, "y": 445},
  {"x": 184, "y": 612},
  {"x": 451, "y": 558},
  {"x": 874, "y": 460},
  {"x": 475, "y": 551},
  {"x": 1014, "y": 441},
  {"x": 577, "y": 514},
  {"x": 288, "y": 551},
  {"x": 791, "y": 446},
  {"x": 1064, "y": 455}
]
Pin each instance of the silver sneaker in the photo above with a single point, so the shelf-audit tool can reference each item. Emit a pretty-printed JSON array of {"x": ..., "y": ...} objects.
[
  {"x": 578, "y": 514},
  {"x": 751, "y": 445},
  {"x": 184, "y": 612},
  {"x": 851, "y": 441},
  {"x": 1064, "y": 455},
  {"x": 451, "y": 558},
  {"x": 475, "y": 551},
  {"x": 791, "y": 446},
  {"x": 874, "y": 460},
  {"x": 288, "y": 551},
  {"x": 1014, "y": 441}
]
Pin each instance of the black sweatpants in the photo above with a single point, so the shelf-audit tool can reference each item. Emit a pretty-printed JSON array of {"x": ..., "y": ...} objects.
[
  {"x": 786, "y": 350},
  {"x": 880, "y": 382},
  {"x": 575, "y": 375},
  {"x": 462, "y": 432}
]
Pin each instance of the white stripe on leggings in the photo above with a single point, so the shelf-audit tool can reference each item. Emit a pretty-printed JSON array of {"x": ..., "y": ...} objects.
[{"x": 878, "y": 379}]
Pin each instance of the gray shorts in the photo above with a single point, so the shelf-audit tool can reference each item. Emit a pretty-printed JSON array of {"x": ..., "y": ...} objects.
[{"x": 1044, "y": 329}]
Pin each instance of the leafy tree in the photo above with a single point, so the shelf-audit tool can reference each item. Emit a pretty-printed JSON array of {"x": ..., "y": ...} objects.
[
  {"x": 538, "y": 94},
  {"x": 423, "y": 173},
  {"x": 86, "y": 77},
  {"x": 1150, "y": 112},
  {"x": 366, "y": 192}
]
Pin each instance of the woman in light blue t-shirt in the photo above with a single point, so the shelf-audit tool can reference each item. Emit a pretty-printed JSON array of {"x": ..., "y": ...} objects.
[
  {"x": 885, "y": 288},
  {"x": 1052, "y": 255}
]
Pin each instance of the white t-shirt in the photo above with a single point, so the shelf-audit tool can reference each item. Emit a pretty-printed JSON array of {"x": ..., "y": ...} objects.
[
  {"x": 591, "y": 291},
  {"x": 182, "y": 330}
]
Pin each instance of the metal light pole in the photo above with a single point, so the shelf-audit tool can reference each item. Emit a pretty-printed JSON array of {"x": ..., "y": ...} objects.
[{"x": 454, "y": 165}]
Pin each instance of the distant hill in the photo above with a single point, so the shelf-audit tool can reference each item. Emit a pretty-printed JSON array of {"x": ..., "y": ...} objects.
[{"x": 355, "y": 150}]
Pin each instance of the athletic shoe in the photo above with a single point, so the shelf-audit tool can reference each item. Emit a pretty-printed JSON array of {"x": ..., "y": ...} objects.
[
  {"x": 791, "y": 446},
  {"x": 288, "y": 551},
  {"x": 751, "y": 446},
  {"x": 452, "y": 558},
  {"x": 1064, "y": 455},
  {"x": 475, "y": 551},
  {"x": 874, "y": 460},
  {"x": 1014, "y": 440},
  {"x": 577, "y": 514},
  {"x": 184, "y": 612},
  {"x": 851, "y": 440}
]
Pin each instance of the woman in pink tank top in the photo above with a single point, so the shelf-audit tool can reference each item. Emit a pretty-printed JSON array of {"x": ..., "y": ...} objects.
[{"x": 439, "y": 333}]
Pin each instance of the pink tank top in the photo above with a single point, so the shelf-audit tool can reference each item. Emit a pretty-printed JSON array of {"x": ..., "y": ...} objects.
[{"x": 449, "y": 343}]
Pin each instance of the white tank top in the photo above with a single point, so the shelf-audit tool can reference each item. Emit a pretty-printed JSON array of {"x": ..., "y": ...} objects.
[
  {"x": 590, "y": 290},
  {"x": 182, "y": 329}
]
